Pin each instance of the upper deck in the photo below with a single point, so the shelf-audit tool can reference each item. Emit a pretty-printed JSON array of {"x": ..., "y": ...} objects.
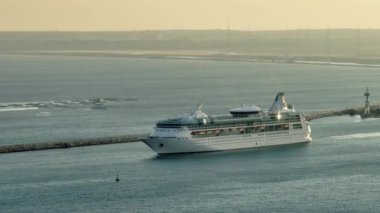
[
  {"x": 279, "y": 113},
  {"x": 261, "y": 118}
]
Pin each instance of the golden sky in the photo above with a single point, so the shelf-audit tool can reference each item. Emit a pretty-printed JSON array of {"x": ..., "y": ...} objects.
[{"x": 115, "y": 15}]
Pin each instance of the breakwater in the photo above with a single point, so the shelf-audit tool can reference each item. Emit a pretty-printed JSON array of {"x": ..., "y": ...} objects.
[
  {"x": 71, "y": 143},
  {"x": 331, "y": 113},
  {"x": 355, "y": 110}
]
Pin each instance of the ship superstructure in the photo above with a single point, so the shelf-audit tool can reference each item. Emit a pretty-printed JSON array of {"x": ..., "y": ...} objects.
[{"x": 244, "y": 127}]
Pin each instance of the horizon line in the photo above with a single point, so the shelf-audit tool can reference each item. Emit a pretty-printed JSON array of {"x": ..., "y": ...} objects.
[{"x": 211, "y": 29}]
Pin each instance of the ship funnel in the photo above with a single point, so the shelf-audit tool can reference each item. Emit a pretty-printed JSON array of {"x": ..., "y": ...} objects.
[{"x": 279, "y": 104}]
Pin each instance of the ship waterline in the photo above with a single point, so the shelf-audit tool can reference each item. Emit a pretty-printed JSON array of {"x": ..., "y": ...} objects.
[
  {"x": 174, "y": 145},
  {"x": 246, "y": 127}
]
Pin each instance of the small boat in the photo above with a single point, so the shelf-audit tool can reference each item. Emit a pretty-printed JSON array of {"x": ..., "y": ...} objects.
[{"x": 99, "y": 104}]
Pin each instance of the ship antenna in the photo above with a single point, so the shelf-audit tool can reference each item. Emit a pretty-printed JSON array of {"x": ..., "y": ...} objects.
[{"x": 200, "y": 106}]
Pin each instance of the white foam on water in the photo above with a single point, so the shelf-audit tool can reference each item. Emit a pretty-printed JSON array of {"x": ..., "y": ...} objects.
[
  {"x": 43, "y": 114},
  {"x": 12, "y": 109},
  {"x": 356, "y": 136}
]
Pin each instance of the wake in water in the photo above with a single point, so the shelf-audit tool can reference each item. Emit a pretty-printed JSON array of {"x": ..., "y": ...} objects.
[
  {"x": 356, "y": 136},
  {"x": 43, "y": 114}
]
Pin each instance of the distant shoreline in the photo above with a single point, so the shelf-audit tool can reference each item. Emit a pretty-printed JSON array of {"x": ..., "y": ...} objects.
[
  {"x": 203, "y": 55},
  {"x": 336, "y": 47}
]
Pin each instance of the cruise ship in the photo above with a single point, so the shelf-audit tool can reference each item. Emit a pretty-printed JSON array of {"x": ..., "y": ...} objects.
[{"x": 245, "y": 127}]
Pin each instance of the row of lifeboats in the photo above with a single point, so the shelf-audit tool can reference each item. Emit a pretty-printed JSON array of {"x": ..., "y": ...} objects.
[
  {"x": 218, "y": 131},
  {"x": 234, "y": 129},
  {"x": 215, "y": 131}
]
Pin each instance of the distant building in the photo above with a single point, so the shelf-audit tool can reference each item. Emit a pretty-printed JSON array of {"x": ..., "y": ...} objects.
[{"x": 367, "y": 108}]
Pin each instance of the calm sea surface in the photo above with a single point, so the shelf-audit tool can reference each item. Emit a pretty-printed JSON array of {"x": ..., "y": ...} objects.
[{"x": 338, "y": 172}]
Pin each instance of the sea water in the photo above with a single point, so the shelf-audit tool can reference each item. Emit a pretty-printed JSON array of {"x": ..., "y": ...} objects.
[{"x": 338, "y": 171}]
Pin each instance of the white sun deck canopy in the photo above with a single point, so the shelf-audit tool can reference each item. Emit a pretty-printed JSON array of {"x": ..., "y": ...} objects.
[
  {"x": 195, "y": 117},
  {"x": 246, "y": 109}
]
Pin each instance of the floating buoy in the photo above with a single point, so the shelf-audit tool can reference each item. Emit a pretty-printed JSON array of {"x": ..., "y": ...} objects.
[{"x": 117, "y": 178}]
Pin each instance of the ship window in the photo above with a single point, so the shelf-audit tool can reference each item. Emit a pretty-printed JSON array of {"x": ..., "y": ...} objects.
[
  {"x": 285, "y": 127},
  {"x": 297, "y": 126}
]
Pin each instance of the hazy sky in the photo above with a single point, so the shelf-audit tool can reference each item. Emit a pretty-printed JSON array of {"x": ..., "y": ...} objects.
[{"x": 187, "y": 14}]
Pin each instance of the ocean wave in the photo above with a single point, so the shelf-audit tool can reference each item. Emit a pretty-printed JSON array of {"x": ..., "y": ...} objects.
[{"x": 356, "y": 136}]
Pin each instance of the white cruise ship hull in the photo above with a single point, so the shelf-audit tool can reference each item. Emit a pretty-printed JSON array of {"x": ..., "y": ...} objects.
[
  {"x": 165, "y": 145},
  {"x": 246, "y": 127}
]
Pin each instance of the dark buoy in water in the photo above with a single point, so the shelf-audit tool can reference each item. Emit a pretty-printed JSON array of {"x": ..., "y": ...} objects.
[{"x": 117, "y": 178}]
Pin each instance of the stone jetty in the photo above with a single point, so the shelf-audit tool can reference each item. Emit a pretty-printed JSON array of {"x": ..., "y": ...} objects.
[
  {"x": 71, "y": 143},
  {"x": 356, "y": 110}
]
